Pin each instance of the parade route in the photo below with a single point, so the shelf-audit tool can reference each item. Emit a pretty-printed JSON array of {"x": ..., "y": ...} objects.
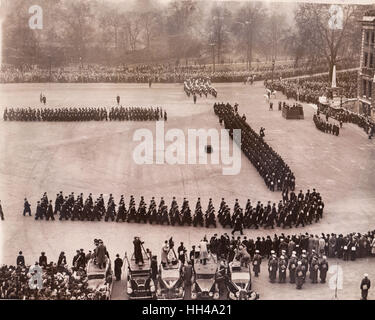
[{"x": 97, "y": 157}]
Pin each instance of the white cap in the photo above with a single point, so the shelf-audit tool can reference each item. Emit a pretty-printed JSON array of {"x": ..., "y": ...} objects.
[{"x": 365, "y": 275}]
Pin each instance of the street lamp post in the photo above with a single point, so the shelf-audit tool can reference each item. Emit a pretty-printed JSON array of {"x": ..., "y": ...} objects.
[
  {"x": 80, "y": 64},
  {"x": 273, "y": 67},
  {"x": 247, "y": 23},
  {"x": 247, "y": 30},
  {"x": 50, "y": 67},
  {"x": 213, "y": 56}
]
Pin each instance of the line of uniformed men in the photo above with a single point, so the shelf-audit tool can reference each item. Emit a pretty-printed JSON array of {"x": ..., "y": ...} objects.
[
  {"x": 293, "y": 210},
  {"x": 275, "y": 172},
  {"x": 199, "y": 86},
  {"x": 326, "y": 126},
  {"x": 55, "y": 114},
  {"x": 84, "y": 114},
  {"x": 136, "y": 114}
]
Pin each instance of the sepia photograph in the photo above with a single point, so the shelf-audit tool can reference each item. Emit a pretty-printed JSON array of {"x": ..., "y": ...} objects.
[{"x": 187, "y": 150}]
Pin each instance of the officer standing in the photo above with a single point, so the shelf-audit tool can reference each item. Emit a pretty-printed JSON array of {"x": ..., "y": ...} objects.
[
  {"x": 365, "y": 286},
  {"x": 292, "y": 267},
  {"x": 188, "y": 275},
  {"x": 20, "y": 259},
  {"x": 299, "y": 275},
  {"x": 282, "y": 269},
  {"x": 118, "y": 267},
  {"x": 26, "y": 208},
  {"x": 138, "y": 251},
  {"x": 1, "y": 212},
  {"x": 238, "y": 226},
  {"x": 323, "y": 268},
  {"x": 256, "y": 263},
  {"x": 49, "y": 213},
  {"x": 43, "y": 260},
  {"x": 39, "y": 212},
  {"x": 192, "y": 255},
  {"x": 314, "y": 267},
  {"x": 181, "y": 250},
  {"x": 272, "y": 268}
]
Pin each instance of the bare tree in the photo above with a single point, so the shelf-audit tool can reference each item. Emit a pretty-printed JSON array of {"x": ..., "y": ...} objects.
[
  {"x": 219, "y": 28},
  {"x": 151, "y": 26},
  {"x": 79, "y": 30},
  {"x": 134, "y": 28},
  {"x": 248, "y": 25},
  {"x": 111, "y": 21},
  {"x": 21, "y": 44},
  {"x": 294, "y": 45},
  {"x": 313, "y": 23},
  {"x": 179, "y": 28}
]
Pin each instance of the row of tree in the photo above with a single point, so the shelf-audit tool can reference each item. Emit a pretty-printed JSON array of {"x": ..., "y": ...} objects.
[{"x": 178, "y": 31}]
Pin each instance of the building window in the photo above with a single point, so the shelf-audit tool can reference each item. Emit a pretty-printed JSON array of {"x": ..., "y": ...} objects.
[
  {"x": 369, "y": 89},
  {"x": 367, "y": 36},
  {"x": 365, "y": 59},
  {"x": 371, "y": 60},
  {"x": 372, "y": 37},
  {"x": 364, "y": 84}
]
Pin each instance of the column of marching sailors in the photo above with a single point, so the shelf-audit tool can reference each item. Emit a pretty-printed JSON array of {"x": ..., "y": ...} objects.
[
  {"x": 118, "y": 113},
  {"x": 271, "y": 166},
  {"x": 292, "y": 210}
]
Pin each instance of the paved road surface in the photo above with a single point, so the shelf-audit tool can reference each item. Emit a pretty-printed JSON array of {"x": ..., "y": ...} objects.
[{"x": 97, "y": 157}]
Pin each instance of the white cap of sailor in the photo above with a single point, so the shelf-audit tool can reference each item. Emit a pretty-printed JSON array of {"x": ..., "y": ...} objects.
[{"x": 365, "y": 275}]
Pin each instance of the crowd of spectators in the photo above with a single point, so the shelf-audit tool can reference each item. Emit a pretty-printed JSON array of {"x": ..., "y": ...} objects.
[
  {"x": 58, "y": 281},
  {"x": 309, "y": 89},
  {"x": 162, "y": 73},
  {"x": 345, "y": 116}
]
